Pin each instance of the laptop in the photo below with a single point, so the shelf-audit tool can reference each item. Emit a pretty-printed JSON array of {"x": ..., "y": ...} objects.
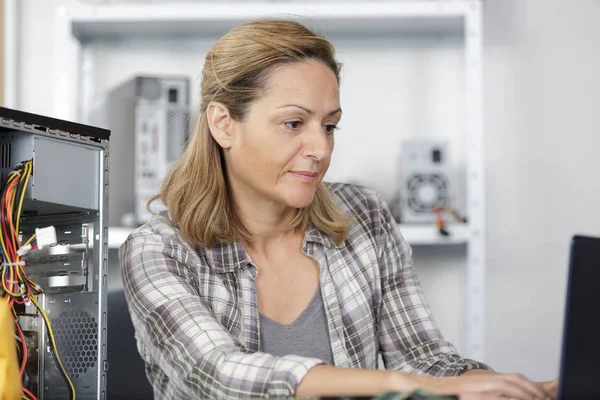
[{"x": 580, "y": 358}]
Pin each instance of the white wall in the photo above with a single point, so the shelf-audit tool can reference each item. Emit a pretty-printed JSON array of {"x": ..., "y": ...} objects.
[{"x": 541, "y": 91}]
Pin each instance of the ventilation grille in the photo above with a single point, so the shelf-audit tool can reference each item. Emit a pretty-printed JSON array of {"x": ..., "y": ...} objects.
[
  {"x": 75, "y": 332},
  {"x": 5, "y": 155},
  {"x": 426, "y": 192},
  {"x": 177, "y": 133}
]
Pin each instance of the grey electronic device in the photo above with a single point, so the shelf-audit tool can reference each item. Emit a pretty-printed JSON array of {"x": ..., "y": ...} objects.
[
  {"x": 149, "y": 120},
  {"x": 68, "y": 190},
  {"x": 425, "y": 179}
]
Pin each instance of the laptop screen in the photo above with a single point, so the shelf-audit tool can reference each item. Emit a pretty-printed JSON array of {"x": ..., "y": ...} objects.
[{"x": 580, "y": 364}]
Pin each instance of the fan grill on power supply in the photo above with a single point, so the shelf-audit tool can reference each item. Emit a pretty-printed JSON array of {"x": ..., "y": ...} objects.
[{"x": 426, "y": 192}]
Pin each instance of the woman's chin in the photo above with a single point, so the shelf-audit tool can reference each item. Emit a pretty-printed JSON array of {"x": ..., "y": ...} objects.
[{"x": 299, "y": 200}]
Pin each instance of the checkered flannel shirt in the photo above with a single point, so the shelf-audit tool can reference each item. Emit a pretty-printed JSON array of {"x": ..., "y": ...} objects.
[{"x": 195, "y": 310}]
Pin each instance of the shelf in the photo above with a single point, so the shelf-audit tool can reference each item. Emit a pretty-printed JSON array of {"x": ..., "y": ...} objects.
[
  {"x": 215, "y": 18},
  {"x": 415, "y": 235},
  {"x": 428, "y": 235},
  {"x": 77, "y": 70}
]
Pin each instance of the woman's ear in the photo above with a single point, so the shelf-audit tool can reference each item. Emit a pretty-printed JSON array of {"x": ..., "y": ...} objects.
[{"x": 219, "y": 122}]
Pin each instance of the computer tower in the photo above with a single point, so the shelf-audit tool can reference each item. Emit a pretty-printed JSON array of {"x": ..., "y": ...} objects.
[
  {"x": 425, "y": 182},
  {"x": 149, "y": 120},
  {"x": 65, "y": 191}
]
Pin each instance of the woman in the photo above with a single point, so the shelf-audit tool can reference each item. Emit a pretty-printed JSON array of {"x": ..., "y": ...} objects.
[{"x": 263, "y": 281}]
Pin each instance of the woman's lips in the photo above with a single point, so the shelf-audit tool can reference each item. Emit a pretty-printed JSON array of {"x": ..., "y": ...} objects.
[{"x": 307, "y": 176}]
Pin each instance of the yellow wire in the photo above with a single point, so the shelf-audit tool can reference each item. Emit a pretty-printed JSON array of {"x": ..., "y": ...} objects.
[
  {"x": 26, "y": 172},
  {"x": 23, "y": 176},
  {"x": 6, "y": 255},
  {"x": 11, "y": 177},
  {"x": 51, "y": 335},
  {"x": 29, "y": 241},
  {"x": 13, "y": 194},
  {"x": 9, "y": 214},
  {"x": 5, "y": 288},
  {"x": 17, "y": 272},
  {"x": 7, "y": 258},
  {"x": 11, "y": 278},
  {"x": 11, "y": 293},
  {"x": 28, "y": 167}
]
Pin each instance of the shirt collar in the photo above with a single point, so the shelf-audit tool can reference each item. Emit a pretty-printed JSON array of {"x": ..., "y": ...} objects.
[{"x": 230, "y": 256}]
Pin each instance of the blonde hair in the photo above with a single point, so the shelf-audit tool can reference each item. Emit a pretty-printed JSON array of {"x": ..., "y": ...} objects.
[{"x": 234, "y": 74}]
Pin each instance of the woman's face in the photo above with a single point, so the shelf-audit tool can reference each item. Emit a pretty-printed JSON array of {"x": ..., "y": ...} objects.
[{"x": 282, "y": 149}]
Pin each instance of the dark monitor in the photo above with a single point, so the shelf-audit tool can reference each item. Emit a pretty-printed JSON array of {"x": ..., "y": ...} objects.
[{"x": 580, "y": 360}]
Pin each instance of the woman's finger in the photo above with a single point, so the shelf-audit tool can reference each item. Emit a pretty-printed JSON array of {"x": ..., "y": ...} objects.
[
  {"x": 532, "y": 388},
  {"x": 480, "y": 396}
]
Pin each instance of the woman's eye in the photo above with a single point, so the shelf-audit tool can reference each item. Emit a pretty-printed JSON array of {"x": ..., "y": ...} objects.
[
  {"x": 293, "y": 124},
  {"x": 329, "y": 129}
]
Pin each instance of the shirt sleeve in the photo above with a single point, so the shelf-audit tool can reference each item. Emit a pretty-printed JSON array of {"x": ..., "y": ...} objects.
[
  {"x": 409, "y": 339},
  {"x": 197, "y": 356}
]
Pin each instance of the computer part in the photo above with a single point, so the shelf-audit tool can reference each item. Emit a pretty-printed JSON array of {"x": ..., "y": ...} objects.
[
  {"x": 579, "y": 368},
  {"x": 425, "y": 182},
  {"x": 149, "y": 120},
  {"x": 54, "y": 248}
]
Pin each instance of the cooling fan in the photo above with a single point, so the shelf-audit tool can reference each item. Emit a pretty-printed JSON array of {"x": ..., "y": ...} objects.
[
  {"x": 425, "y": 183},
  {"x": 426, "y": 192}
]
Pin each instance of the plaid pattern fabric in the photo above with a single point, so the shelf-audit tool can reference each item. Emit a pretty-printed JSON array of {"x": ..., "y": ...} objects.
[{"x": 195, "y": 310}]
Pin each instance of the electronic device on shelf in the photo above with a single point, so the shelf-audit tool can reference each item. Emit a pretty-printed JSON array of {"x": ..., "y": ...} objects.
[
  {"x": 425, "y": 180},
  {"x": 149, "y": 117}
]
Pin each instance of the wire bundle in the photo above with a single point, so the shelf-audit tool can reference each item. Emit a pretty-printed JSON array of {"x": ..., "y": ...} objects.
[
  {"x": 441, "y": 224},
  {"x": 16, "y": 287}
]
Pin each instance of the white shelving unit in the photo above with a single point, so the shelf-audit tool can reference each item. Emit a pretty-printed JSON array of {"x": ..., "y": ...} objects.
[
  {"x": 76, "y": 27},
  {"x": 422, "y": 235}
]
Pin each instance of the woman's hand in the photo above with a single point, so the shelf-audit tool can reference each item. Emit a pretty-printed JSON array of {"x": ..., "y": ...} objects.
[
  {"x": 329, "y": 381},
  {"x": 550, "y": 387},
  {"x": 486, "y": 385}
]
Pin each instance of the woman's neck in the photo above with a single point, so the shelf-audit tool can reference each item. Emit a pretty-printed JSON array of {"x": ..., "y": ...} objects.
[{"x": 267, "y": 224}]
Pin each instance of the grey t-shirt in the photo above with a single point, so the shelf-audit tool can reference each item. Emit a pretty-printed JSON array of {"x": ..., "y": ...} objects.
[{"x": 307, "y": 335}]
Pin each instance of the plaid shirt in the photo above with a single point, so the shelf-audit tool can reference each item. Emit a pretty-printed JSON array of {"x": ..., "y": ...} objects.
[{"x": 195, "y": 310}]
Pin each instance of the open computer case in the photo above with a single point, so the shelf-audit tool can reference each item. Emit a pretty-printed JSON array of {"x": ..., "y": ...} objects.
[{"x": 59, "y": 171}]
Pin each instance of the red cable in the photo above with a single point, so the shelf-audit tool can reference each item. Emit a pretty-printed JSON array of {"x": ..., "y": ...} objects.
[
  {"x": 9, "y": 244},
  {"x": 28, "y": 393},
  {"x": 11, "y": 225}
]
